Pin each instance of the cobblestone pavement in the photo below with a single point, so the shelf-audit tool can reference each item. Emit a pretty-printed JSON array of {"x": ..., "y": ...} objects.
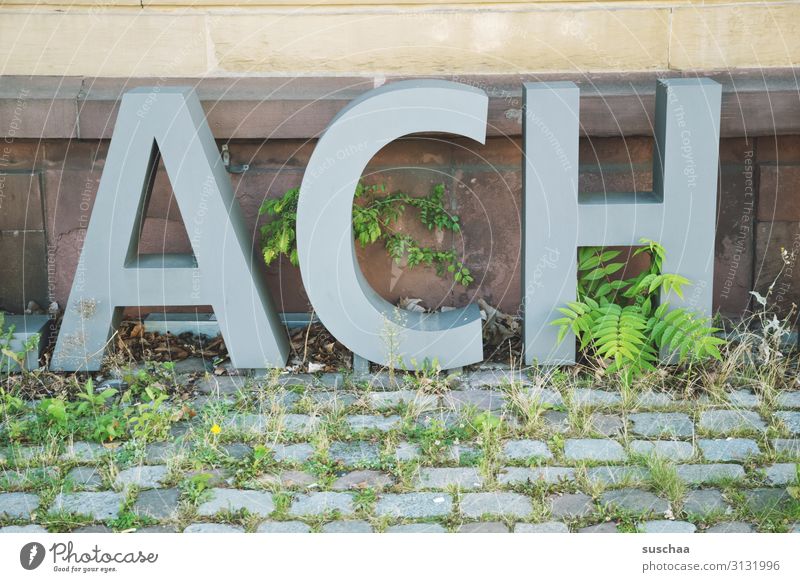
[{"x": 490, "y": 453}]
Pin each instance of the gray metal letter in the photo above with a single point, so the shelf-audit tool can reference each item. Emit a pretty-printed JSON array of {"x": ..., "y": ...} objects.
[
  {"x": 557, "y": 219},
  {"x": 111, "y": 273},
  {"x": 362, "y": 320}
]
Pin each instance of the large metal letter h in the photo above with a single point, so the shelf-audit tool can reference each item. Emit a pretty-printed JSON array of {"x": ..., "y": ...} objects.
[{"x": 557, "y": 219}]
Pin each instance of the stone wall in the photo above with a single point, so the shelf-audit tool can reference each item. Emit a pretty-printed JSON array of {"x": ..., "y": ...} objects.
[{"x": 134, "y": 38}]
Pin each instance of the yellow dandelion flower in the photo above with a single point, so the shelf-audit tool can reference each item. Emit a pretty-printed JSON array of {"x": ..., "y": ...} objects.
[{"x": 215, "y": 429}]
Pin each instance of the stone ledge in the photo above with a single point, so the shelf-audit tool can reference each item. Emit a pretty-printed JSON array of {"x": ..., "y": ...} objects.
[{"x": 612, "y": 104}]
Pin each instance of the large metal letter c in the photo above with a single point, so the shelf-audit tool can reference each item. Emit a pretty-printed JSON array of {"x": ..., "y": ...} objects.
[{"x": 345, "y": 303}]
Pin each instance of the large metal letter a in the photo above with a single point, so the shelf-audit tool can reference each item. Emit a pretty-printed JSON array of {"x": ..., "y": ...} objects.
[
  {"x": 111, "y": 273},
  {"x": 362, "y": 320}
]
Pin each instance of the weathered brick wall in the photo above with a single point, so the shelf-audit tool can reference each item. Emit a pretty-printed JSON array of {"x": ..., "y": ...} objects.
[{"x": 47, "y": 189}]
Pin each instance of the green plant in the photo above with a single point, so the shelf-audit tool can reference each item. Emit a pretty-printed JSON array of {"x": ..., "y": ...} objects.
[
  {"x": 374, "y": 219},
  {"x": 53, "y": 413},
  {"x": 258, "y": 461},
  {"x": 794, "y": 488},
  {"x": 150, "y": 419},
  {"x": 104, "y": 423},
  {"x": 195, "y": 487},
  {"x": 10, "y": 404},
  {"x": 620, "y": 322},
  {"x": 8, "y": 354},
  {"x": 141, "y": 412}
]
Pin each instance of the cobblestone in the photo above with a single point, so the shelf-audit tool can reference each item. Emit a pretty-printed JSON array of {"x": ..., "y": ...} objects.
[
  {"x": 349, "y": 526},
  {"x": 441, "y": 478},
  {"x": 731, "y": 527},
  {"x": 556, "y": 421},
  {"x": 766, "y": 500},
  {"x": 363, "y": 480},
  {"x": 297, "y": 453},
  {"x": 100, "y": 506},
  {"x": 521, "y": 475},
  {"x": 635, "y": 501},
  {"x": 667, "y": 526},
  {"x": 524, "y": 450},
  {"x": 157, "y": 503},
  {"x": 212, "y": 528},
  {"x": 593, "y": 450},
  {"x": 655, "y": 400},
  {"x": 705, "y": 502},
  {"x": 26, "y": 478},
  {"x": 143, "y": 476},
  {"x": 787, "y": 447},
  {"x": 495, "y": 378},
  {"x": 332, "y": 399},
  {"x": 92, "y": 529},
  {"x": 789, "y": 399},
  {"x": 743, "y": 399},
  {"x": 420, "y": 401},
  {"x": 354, "y": 454},
  {"x": 675, "y": 451},
  {"x": 543, "y": 396},
  {"x": 160, "y": 453},
  {"x": 662, "y": 424},
  {"x": 702, "y": 474},
  {"x": 283, "y": 527},
  {"x": 233, "y": 500},
  {"x": 237, "y": 451},
  {"x": 728, "y": 449},
  {"x": 288, "y": 479},
  {"x": 407, "y": 451},
  {"x": 609, "y": 425},
  {"x": 612, "y": 475},
  {"x": 476, "y": 505},
  {"x": 322, "y": 503},
  {"x": 83, "y": 452},
  {"x": 546, "y": 527},
  {"x": 414, "y": 505},
  {"x": 365, "y": 422},
  {"x": 157, "y": 529},
  {"x": 791, "y": 420},
  {"x": 301, "y": 424},
  {"x": 26, "y": 529},
  {"x": 781, "y": 474},
  {"x": 607, "y": 527},
  {"x": 18, "y": 505},
  {"x": 247, "y": 423},
  {"x": 570, "y": 505},
  {"x": 483, "y": 527},
  {"x": 731, "y": 421},
  {"x": 552, "y": 469},
  {"x": 480, "y": 400},
  {"x": 590, "y": 397},
  {"x": 446, "y": 418},
  {"x": 416, "y": 528},
  {"x": 85, "y": 479}
]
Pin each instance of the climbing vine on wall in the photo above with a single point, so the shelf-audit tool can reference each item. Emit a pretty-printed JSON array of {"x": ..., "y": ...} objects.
[{"x": 376, "y": 215}]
